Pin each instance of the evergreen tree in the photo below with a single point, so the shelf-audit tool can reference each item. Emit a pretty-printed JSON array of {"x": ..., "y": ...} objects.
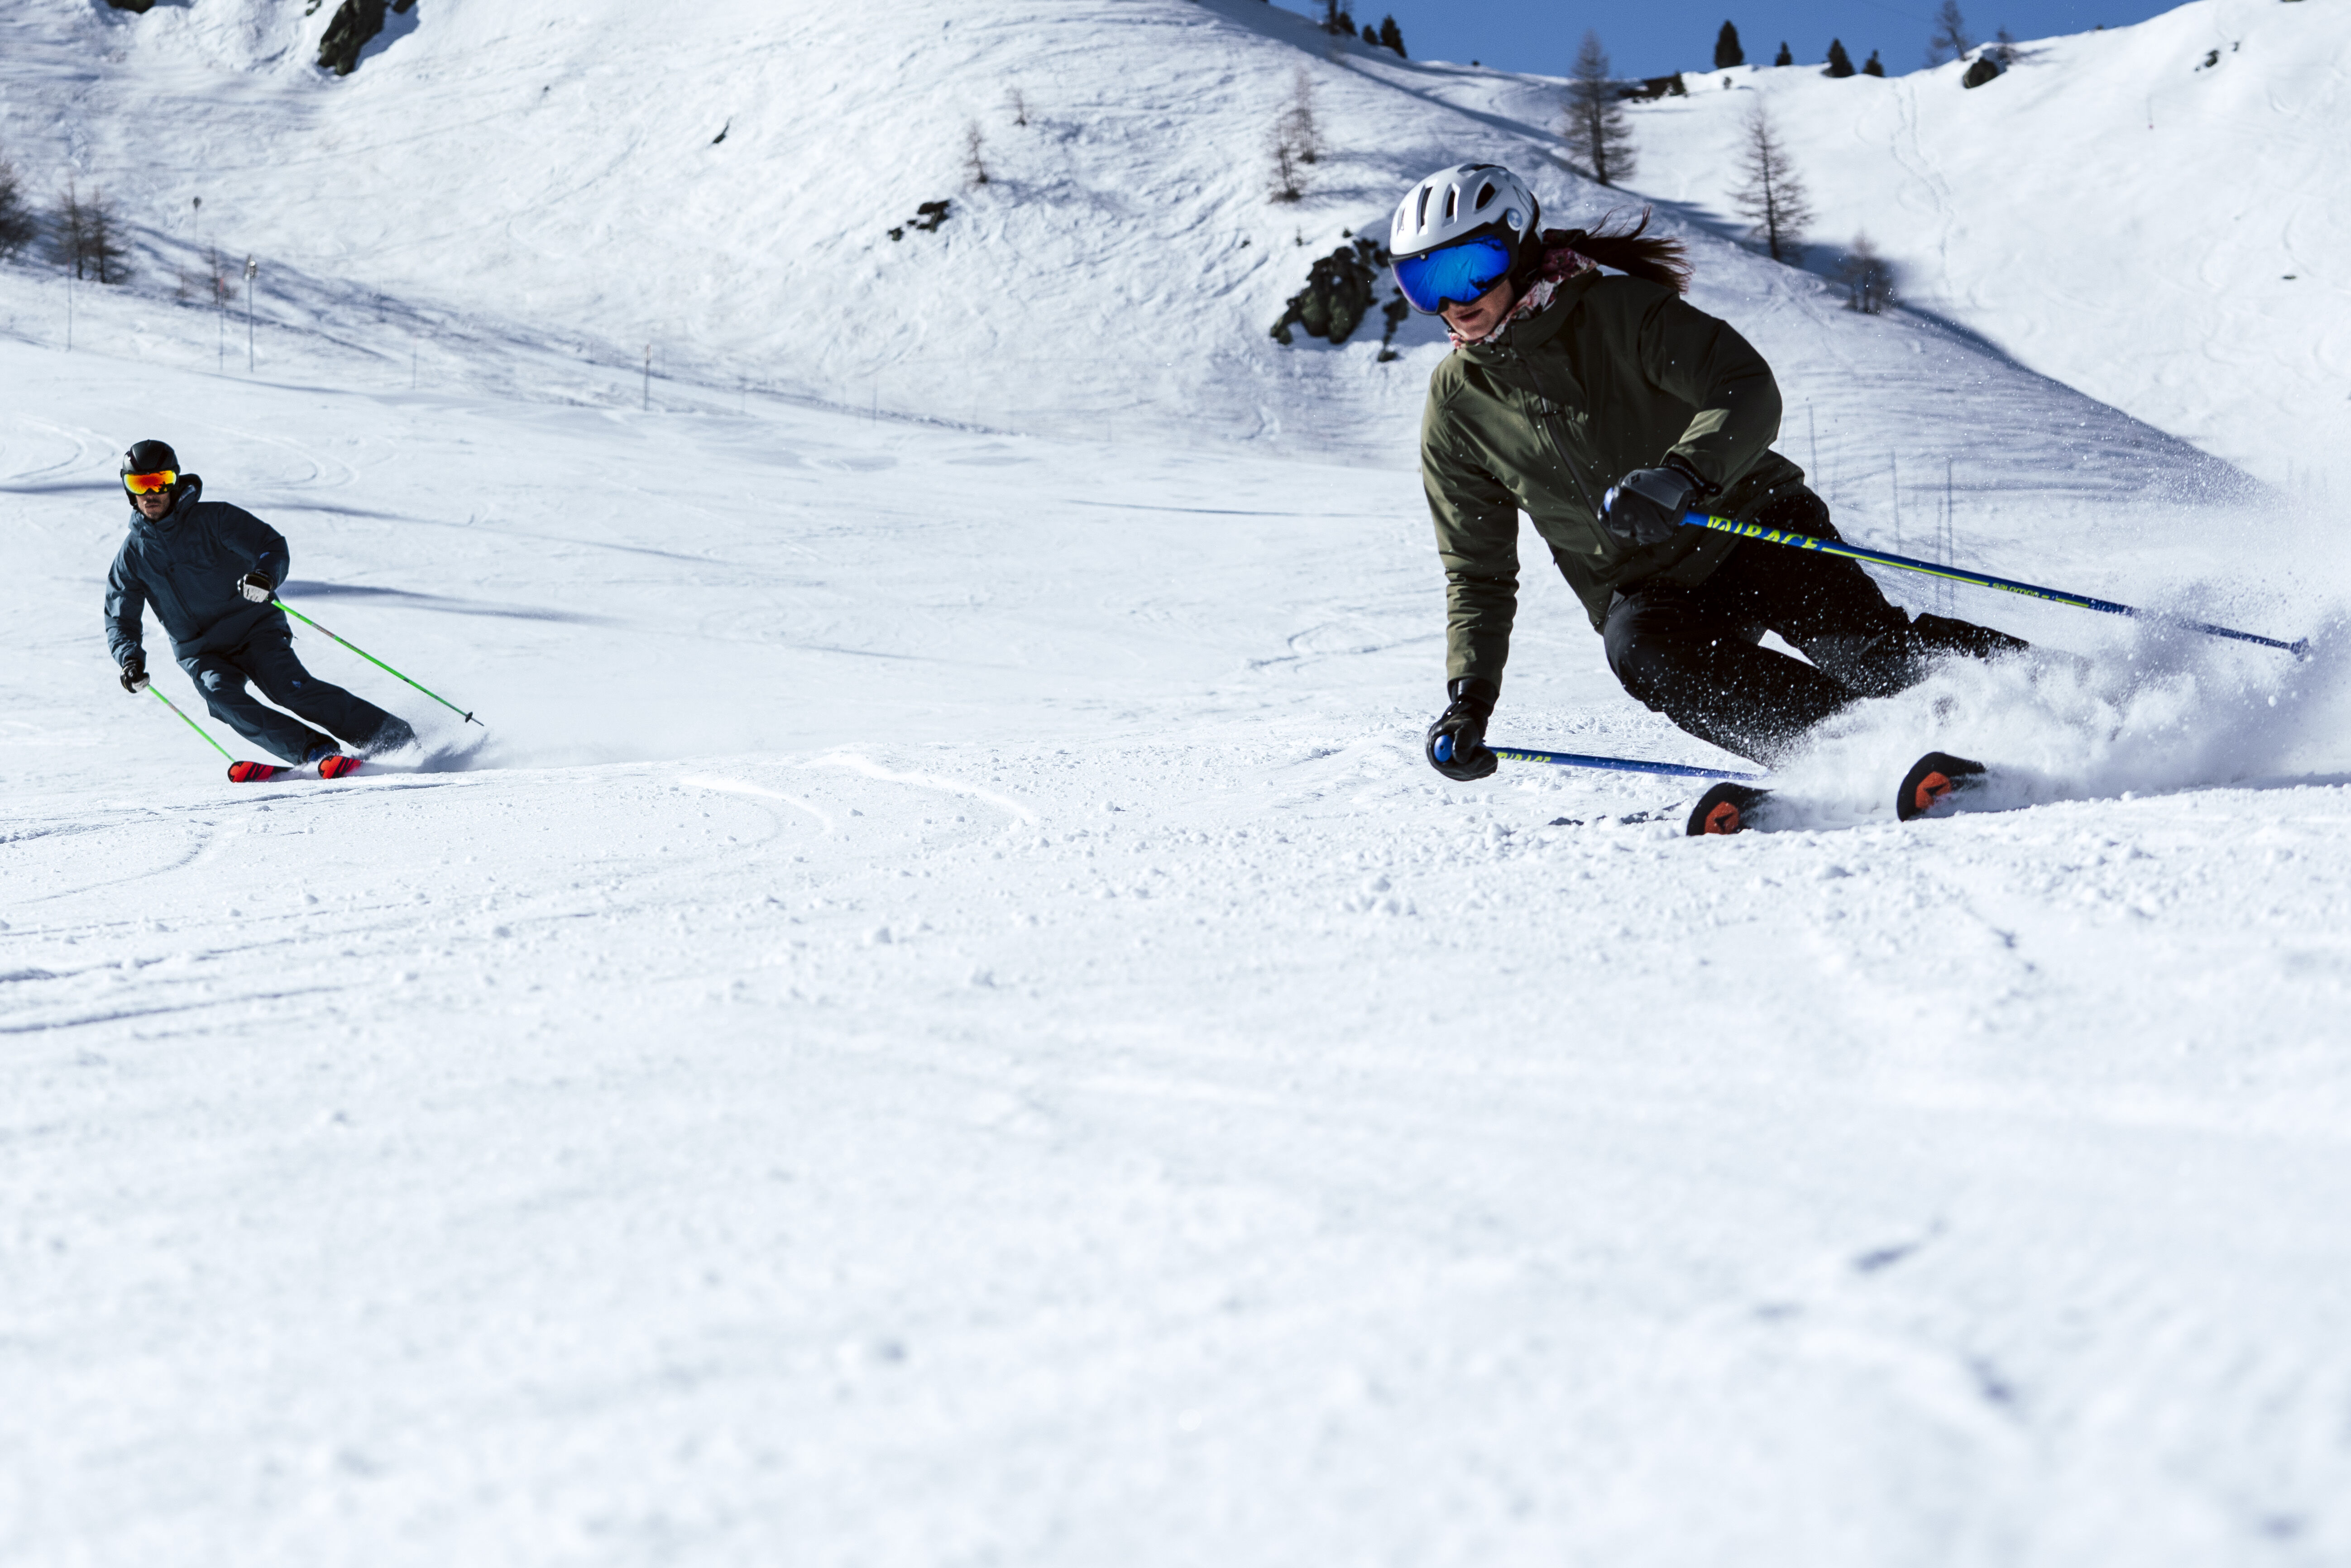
[
  {"x": 1774, "y": 198},
  {"x": 1596, "y": 129},
  {"x": 1870, "y": 68},
  {"x": 1784, "y": 57},
  {"x": 1392, "y": 37},
  {"x": 1840, "y": 63},
  {"x": 1726, "y": 52}
]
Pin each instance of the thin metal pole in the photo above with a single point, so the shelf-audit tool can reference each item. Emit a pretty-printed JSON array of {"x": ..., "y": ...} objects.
[
  {"x": 251, "y": 267},
  {"x": 1616, "y": 764},
  {"x": 2299, "y": 647}
]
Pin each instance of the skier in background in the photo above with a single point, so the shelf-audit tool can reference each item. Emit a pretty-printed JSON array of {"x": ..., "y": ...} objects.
[
  {"x": 1605, "y": 408},
  {"x": 212, "y": 571}
]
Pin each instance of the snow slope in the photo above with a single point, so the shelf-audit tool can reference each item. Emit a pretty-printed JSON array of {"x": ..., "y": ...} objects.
[
  {"x": 1027, "y": 1064},
  {"x": 947, "y": 1020},
  {"x": 2165, "y": 234}
]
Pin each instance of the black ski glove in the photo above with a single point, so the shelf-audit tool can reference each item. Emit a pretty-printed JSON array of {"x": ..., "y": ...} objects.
[
  {"x": 257, "y": 589},
  {"x": 134, "y": 673},
  {"x": 1646, "y": 507},
  {"x": 1456, "y": 741}
]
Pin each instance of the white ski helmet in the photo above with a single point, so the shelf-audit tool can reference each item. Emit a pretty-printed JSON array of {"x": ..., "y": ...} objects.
[{"x": 1457, "y": 202}]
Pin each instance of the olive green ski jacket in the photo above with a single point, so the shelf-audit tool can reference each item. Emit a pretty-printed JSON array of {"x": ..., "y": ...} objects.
[{"x": 1617, "y": 373}]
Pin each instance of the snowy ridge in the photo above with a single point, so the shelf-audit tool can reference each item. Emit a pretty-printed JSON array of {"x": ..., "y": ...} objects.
[
  {"x": 497, "y": 184},
  {"x": 2164, "y": 234}
]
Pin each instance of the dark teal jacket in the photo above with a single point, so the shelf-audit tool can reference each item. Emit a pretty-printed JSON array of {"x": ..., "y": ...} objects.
[{"x": 186, "y": 565}]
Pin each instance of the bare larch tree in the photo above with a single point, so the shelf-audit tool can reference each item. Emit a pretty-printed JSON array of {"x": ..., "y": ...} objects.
[
  {"x": 81, "y": 235},
  {"x": 1950, "y": 39},
  {"x": 1297, "y": 140},
  {"x": 17, "y": 225},
  {"x": 1774, "y": 198},
  {"x": 1596, "y": 131}
]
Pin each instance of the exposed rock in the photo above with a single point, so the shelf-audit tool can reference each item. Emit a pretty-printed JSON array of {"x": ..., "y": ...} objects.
[
  {"x": 928, "y": 217},
  {"x": 1340, "y": 292},
  {"x": 1654, "y": 87},
  {"x": 1982, "y": 71},
  {"x": 1337, "y": 296},
  {"x": 353, "y": 27}
]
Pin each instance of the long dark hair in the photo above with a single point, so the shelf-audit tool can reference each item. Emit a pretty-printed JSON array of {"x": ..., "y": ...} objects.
[{"x": 1659, "y": 258}]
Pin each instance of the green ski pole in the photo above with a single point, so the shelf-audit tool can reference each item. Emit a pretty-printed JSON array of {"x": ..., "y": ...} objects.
[
  {"x": 191, "y": 724},
  {"x": 379, "y": 664},
  {"x": 238, "y": 772}
]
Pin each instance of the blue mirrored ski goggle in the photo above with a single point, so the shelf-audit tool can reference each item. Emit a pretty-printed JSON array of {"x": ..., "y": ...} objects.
[{"x": 1456, "y": 273}]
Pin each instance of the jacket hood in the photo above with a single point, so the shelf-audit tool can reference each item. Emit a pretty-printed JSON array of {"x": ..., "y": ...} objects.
[{"x": 190, "y": 490}]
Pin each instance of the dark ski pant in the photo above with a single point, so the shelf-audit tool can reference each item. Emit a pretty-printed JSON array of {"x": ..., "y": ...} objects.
[
  {"x": 1690, "y": 652},
  {"x": 268, "y": 660}
]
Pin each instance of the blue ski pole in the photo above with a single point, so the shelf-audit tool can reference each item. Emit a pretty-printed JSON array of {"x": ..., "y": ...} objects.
[
  {"x": 1612, "y": 764},
  {"x": 2299, "y": 647}
]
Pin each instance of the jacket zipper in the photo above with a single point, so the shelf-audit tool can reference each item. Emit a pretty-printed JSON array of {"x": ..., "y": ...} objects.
[{"x": 1542, "y": 418}]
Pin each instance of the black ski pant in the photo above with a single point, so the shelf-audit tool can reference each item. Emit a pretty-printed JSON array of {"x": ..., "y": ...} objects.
[
  {"x": 1690, "y": 652},
  {"x": 266, "y": 659}
]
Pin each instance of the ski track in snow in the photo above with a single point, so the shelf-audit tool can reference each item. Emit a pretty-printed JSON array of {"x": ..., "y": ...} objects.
[{"x": 946, "y": 1018}]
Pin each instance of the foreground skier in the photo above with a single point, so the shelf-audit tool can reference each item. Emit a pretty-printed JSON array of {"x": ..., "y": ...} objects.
[
  {"x": 1605, "y": 408},
  {"x": 211, "y": 570}
]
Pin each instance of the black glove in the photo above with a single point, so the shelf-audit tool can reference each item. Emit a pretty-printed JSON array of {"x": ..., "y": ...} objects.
[
  {"x": 134, "y": 673},
  {"x": 1646, "y": 507},
  {"x": 1456, "y": 741},
  {"x": 257, "y": 589}
]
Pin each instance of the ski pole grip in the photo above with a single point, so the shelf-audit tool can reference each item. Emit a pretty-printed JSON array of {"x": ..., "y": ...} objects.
[{"x": 1444, "y": 748}]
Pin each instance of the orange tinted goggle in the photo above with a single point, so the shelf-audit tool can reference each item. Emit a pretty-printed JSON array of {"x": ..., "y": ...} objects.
[{"x": 149, "y": 484}]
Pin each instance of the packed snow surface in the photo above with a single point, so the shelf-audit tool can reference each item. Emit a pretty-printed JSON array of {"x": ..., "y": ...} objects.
[{"x": 944, "y": 1020}]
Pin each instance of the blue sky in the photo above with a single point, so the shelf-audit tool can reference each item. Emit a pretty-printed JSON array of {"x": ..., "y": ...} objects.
[{"x": 1659, "y": 36}]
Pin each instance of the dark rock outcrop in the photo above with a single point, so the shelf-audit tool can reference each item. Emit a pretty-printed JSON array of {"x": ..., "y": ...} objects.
[
  {"x": 1341, "y": 289},
  {"x": 353, "y": 28}
]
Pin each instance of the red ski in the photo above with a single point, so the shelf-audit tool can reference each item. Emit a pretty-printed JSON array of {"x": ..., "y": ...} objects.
[{"x": 335, "y": 766}]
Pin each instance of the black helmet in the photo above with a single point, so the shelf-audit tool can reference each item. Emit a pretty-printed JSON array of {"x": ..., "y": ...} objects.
[
  {"x": 150, "y": 457},
  {"x": 154, "y": 457}
]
